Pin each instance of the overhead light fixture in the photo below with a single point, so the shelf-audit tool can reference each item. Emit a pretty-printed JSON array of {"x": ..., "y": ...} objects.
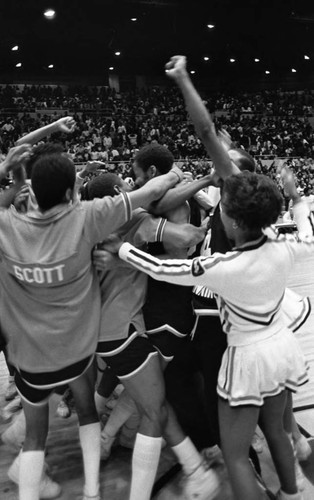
[
  {"x": 49, "y": 13},
  {"x": 111, "y": 68},
  {"x": 50, "y": 66},
  {"x": 256, "y": 59},
  {"x": 206, "y": 58},
  {"x": 117, "y": 53},
  {"x": 210, "y": 26},
  {"x": 306, "y": 58},
  {"x": 267, "y": 72},
  {"x": 133, "y": 19},
  {"x": 232, "y": 60},
  {"x": 16, "y": 47},
  {"x": 18, "y": 65},
  {"x": 293, "y": 70},
  {"x": 192, "y": 72}
]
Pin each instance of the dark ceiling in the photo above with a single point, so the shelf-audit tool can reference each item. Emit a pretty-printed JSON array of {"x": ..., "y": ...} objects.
[{"x": 84, "y": 36}]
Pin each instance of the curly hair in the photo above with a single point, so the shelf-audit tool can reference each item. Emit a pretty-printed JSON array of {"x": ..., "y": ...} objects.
[
  {"x": 252, "y": 200},
  {"x": 154, "y": 154},
  {"x": 103, "y": 185}
]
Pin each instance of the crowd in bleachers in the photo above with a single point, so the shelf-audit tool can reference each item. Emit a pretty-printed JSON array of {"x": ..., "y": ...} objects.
[{"x": 111, "y": 126}]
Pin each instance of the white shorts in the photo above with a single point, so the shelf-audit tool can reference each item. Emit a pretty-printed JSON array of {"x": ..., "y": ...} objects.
[{"x": 250, "y": 373}]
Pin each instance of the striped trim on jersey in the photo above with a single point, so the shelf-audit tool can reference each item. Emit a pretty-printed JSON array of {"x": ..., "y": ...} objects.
[
  {"x": 160, "y": 230},
  {"x": 127, "y": 205},
  {"x": 265, "y": 318},
  {"x": 203, "y": 291},
  {"x": 302, "y": 317}
]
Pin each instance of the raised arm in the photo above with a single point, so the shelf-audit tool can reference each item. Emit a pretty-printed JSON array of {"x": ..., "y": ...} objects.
[
  {"x": 204, "y": 126},
  {"x": 302, "y": 214},
  {"x": 65, "y": 124},
  {"x": 14, "y": 162}
]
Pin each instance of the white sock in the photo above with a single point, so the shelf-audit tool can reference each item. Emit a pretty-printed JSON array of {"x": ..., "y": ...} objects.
[
  {"x": 120, "y": 414},
  {"x": 188, "y": 456},
  {"x": 145, "y": 460},
  {"x": 31, "y": 469},
  {"x": 90, "y": 444},
  {"x": 293, "y": 496}
]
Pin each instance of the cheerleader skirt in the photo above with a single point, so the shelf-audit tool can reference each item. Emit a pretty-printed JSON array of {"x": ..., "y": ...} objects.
[{"x": 262, "y": 369}]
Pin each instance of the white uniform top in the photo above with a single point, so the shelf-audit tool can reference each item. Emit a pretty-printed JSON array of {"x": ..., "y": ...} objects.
[
  {"x": 50, "y": 294},
  {"x": 249, "y": 281}
]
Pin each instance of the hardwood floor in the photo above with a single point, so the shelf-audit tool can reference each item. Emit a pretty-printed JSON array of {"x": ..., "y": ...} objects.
[{"x": 64, "y": 455}]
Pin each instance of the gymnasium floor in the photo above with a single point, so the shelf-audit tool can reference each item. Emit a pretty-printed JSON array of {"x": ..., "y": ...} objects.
[{"x": 64, "y": 455}]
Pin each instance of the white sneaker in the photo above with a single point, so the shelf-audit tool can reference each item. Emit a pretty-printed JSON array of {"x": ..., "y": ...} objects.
[
  {"x": 48, "y": 488},
  {"x": 302, "y": 448},
  {"x": 14, "y": 435},
  {"x": 106, "y": 443},
  {"x": 201, "y": 485},
  {"x": 300, "y": 478}
]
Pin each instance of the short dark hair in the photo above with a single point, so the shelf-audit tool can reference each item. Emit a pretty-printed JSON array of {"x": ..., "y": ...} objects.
[
  {"x": 47, "y": 148},
  {"x": 246, "y": 162},
  {"x": 155, "y": 154},
  {"x": 52, "y": 175},
  {"x": 103, "y": 185},
  {"x": 253, "y": 200}
]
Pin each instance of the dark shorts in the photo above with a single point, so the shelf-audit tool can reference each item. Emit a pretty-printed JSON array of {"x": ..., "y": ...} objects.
[
  {"x": 166, "y": 342},
  {"x": 128, "y": 356},
  {"x": 36, "y": 388}
]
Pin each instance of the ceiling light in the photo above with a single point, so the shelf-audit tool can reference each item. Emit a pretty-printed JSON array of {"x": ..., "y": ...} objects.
[
  {"x": 18, "y": 65},
  {"x": 117, "y": 53},
  {"x": 49, "y": 13},
  {"x": 206, "y": 58},
  {"x": 256, "y": 59},
  {"x": 50, "y": 66},
  {"x": 210, "y": 26},
  {"x": 16, "y": 47},
  {"x": 293, "y": 70},
  {"x": 192, "y": 72},
  {"x": 133, "y": 19},
  {"x": 306, "y": 58},
  {"x": 232, "y": 60},
  {"x": 267, "y": 72},
  {"x": 111, "y": 68}
]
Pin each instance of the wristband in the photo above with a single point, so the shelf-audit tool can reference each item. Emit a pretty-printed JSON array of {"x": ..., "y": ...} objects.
[{"x": 176, "y": 170}]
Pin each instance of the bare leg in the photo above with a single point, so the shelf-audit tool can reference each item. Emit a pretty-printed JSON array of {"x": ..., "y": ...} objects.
[
  {"x": 271, "y": 423},
  {"x": 237, "y": 427}
]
